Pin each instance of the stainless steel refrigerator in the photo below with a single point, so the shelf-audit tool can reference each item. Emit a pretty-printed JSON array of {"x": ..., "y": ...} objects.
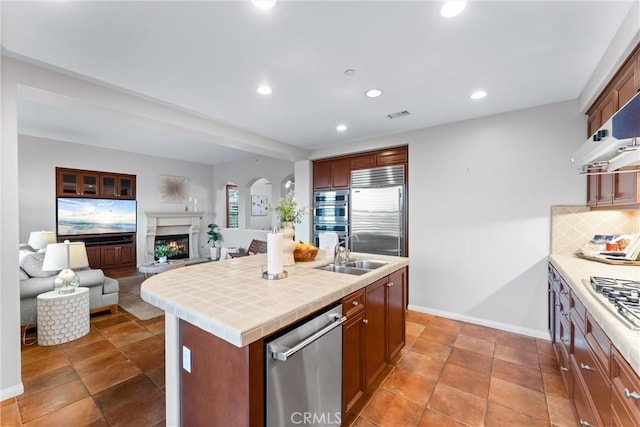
[{"x": 378, "y": 211}]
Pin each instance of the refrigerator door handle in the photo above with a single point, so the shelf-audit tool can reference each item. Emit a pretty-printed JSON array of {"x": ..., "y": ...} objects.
[{"x": 400, "y": 231}]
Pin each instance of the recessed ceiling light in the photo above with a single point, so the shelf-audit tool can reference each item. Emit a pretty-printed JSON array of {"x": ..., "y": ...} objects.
[
  {"x": 479, "y": 94},
  {"x": 349, "y": 72},
  {"x": 452, "y": 8},
  {"x": 341, "y": 128},
  {"x": 373, "y": 93},
  {"x": 264, "y": 4},
  {"x": 264, "y": 90}
]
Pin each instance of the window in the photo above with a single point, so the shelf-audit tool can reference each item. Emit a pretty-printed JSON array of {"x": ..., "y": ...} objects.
[{"x": 232, "y": 206}]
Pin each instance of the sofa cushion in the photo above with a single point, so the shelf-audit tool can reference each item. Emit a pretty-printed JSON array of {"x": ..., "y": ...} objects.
[
  {"x": 22, "y": 274},
  {"x": 110, "y": 286},
  {"x": 31, "y": 263},
  {"x": 90, "y": 277}
]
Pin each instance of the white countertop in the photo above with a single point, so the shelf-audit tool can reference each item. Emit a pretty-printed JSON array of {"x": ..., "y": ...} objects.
[
  {"x": 574, "y": 270},
  {"x": 232, "y": 301}
]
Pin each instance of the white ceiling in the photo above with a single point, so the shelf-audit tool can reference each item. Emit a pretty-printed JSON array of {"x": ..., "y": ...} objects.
[{"x": 208, "y": 57}]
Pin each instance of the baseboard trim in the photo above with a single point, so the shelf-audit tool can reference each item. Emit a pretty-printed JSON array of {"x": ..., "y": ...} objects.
[
  {"x": 534, "y": 333},
  {"x": 8, "y": 393}
]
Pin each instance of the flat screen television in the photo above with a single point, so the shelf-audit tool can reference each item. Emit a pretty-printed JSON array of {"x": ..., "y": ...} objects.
[{"x": 79, "y": 216}]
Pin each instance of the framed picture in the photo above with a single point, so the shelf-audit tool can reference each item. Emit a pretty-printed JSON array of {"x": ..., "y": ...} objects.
[
  {"x": 258, "y": 205},
  {"x": 173, "y": 189}
]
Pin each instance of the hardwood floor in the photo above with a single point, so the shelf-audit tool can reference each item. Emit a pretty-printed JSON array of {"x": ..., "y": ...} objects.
[{"x": 450, "y": 373}]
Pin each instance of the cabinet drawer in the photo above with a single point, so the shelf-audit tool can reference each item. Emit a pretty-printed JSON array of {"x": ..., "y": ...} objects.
[
  {"x": 584, "y": 408},
  {"x": 596, "y": 384},
  {"x": 353, "y": 303},
  {"x": 578, "y": 311},
  {"x": 599, "y": 343},
  {"x": 565, "y": 335},
  {"x": 626, "y": 385},
  {"x": 565, "y": 368}
]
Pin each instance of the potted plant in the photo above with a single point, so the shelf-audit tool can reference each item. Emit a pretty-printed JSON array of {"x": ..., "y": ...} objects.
[
  {"x": 287, "y": 210},
  {"x": 214, "y": 237},
  {"x": 288, "y": 214},
  {"x": 162, "y": 252}
]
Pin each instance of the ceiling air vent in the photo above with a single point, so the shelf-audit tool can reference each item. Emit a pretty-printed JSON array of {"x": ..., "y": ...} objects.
[{"x": 398, "y": 114}]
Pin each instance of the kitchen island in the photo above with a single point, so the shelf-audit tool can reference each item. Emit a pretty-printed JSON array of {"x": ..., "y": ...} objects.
[{"x": 229, "y": 308}]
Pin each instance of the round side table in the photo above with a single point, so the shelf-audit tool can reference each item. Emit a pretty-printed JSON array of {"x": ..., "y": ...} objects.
[{"x": 62, "y": 317}]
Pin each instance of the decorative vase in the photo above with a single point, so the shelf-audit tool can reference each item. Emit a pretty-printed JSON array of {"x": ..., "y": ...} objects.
[
  {"x": 215, "y": 252},
  {"x": 288, "y": 244},
  {"x": 162, "y": 259}
]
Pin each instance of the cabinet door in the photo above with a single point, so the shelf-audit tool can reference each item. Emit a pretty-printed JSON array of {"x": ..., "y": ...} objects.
[
  {"x": 109, "y": 256},
  {"x": 75, "y": 183},
  {"x": 592, "y": 190},
  {"x": 93, "y": 255},
  {"x": 126, "y": 255},
  {"x": 126, "y": 187},
  {"x": 393, "y": 156},
  {"x": 322, "y": 175},
  {"x": 108, "y": 186},
  {"x": 604, "y": 192},
  {"x": 353, "y": 338},
  {"x": 374, "y": 356},
  {"x": 340, "y": 173},
  {"x": 363, "y": 161},
  {"x": 625, "y": 86},
  {"x": 395, "y": 313},
  {"x": 625, "y": 187}
]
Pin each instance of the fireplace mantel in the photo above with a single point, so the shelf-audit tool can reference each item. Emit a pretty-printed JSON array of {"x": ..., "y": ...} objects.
[{"x": 161, "y": 223}]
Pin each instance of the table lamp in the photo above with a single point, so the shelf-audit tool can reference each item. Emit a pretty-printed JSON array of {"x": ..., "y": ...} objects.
[
  {"x": 64, "y": 257},
  {"x": 39, "y": 240}
]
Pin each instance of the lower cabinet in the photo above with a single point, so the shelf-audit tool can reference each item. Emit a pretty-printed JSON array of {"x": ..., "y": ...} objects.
[
  {"x": 373, "y": 335},
  {"x": 110, "y": 251},
  {"x": 604, "y": 389}
]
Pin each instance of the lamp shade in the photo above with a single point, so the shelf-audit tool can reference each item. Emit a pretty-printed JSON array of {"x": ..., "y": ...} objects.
[
  {"x": 40, "y": 239},
  {"x": 65, "y": 255}
]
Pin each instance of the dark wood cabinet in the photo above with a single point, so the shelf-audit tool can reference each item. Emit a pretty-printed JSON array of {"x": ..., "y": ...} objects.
[
  {"x": 372, "y": 336},
  {"x": 375, "y": 319},
  {"x": 335, "y": 173},
  {"x": 395, "y": 313},
  {"x": 71, "y": 182},
  {"x": 353, "y": 338},
  {"x": 109, "y": 251},
  {"x": 615, "y": 189},
  {"x": 611, "y": 190},
  {"x": 117, "y": 186},
  {"x": 331, "y": 174},
  {"x": 94, "y": 184},
  {"x": 604, "y": 389}
]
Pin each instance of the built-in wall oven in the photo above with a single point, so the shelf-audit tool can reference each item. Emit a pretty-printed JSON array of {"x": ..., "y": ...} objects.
[{"x": 331, "y": 213}]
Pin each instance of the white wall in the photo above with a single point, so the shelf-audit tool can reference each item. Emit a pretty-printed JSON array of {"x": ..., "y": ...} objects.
[
  {"x": 480, "y": 195},
  {"x": 38, "y": 158}
]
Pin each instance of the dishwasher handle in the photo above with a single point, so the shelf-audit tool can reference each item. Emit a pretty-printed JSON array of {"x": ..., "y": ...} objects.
[{"x": 338, "y": 319}]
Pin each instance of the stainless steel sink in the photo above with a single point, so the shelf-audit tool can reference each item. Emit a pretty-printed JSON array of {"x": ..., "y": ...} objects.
[
  {"x": 366, "y": 264},
  {"x": 343, "y": 269}
]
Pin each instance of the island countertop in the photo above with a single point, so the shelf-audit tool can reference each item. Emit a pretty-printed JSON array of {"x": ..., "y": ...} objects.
[{"x": 232, "y": 301}]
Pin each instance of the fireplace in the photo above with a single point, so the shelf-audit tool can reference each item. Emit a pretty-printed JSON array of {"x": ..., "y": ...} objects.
[
  {"x": 162, "y": 224},
  {"x": 179, "y": 242}
]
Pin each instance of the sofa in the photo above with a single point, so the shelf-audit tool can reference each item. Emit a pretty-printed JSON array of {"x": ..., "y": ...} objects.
[{"x": 103, "y": 290}]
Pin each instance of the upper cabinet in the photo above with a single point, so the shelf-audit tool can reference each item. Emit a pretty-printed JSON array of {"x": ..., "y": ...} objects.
[
  {"x": 623, "y": 86},
  {"x": 83, "y": 183},
  {"x": 335, "y": 173},
  {"x": 615, "y": 189}
]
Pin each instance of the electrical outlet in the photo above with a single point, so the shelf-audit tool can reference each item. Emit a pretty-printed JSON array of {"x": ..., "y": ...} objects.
[{"x": 186, "y": 358}]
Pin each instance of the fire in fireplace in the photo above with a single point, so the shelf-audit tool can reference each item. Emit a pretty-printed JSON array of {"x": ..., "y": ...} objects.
[{"x": 180, "y": 242}]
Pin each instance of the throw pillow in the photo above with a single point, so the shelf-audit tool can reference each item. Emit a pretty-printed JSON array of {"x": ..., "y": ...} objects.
[
  {"x": 32, "y": 264},
  {"x": 22, "y": 274}
]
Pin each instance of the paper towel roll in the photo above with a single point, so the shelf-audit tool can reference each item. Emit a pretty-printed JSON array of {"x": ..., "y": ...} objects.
[
  {"x": 274, "y": 253},
  {"x": 327, "y": 241}
]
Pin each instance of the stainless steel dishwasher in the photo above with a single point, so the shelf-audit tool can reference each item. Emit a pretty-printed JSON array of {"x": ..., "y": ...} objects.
[{"x": 304, "y": 373}]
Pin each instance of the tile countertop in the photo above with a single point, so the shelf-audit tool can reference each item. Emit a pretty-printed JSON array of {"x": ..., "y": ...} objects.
[
  {"x": 232, "y": 301},
  {"x": 574, "y": 270}
]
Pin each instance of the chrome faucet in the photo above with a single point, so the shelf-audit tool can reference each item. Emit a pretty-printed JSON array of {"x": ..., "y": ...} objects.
[{"x": 341, "y": 255}]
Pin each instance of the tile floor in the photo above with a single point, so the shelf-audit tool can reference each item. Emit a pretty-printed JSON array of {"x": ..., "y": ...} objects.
[{"x": 450, "y": 373}]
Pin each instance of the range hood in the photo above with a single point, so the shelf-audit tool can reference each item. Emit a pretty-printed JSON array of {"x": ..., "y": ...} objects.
[{"x": 615, "y": 145}]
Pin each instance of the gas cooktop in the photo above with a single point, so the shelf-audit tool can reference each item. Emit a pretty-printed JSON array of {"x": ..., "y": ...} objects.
[{"x": 620, "y": 296}]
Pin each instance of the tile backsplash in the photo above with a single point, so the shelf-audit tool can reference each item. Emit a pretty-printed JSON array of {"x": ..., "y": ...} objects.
[{"x": 573, "y": 226}]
